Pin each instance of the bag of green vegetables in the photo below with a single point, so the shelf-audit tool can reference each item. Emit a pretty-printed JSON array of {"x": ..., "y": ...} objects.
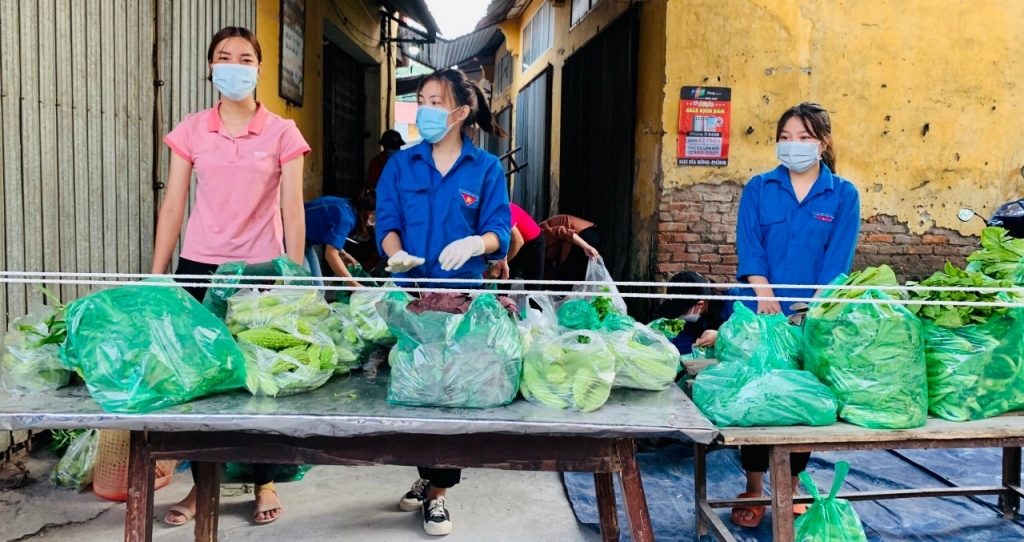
[
  {"x": 644, "y": 359},
  {"x": 759, "y": 338},
  {"x": 229, "y": 277},
  {"x": 829, "y": 519},
  {"x": 74, "y": 470},
  {"x": 31, "y": 357},
  {"x": 574, "y": 370}
]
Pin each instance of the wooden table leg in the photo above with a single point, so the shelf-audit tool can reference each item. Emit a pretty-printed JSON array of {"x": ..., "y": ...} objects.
[
  {"x": 207, "y": 500},
  {"x": 635, "y": 502},
  {"x": 604, "y": 486},
  {"x": 782, "y": 495},
  {"x": 1010, "y": 500},
  {"x": 700, "y": 486},
  {"x": 138, "y": 516}
]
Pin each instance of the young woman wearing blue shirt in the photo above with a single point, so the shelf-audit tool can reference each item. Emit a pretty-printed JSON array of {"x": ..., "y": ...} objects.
[
  {"x": 797, "y": 224},
  {"x": 443, "y": 212}
]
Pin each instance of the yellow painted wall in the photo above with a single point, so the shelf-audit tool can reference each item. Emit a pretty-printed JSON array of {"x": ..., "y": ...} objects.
[
  {"x": 885, "y": 70},
  {"x": 356, "y": 19}
]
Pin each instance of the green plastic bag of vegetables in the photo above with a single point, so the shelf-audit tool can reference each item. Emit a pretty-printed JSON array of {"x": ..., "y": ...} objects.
[
  {"x": 287, "y": 357},
  {"x": 351, "y": 348},
  {"x": 577, "y": 314},
  {"x": 975, "y": 372},
  {"x": 231, "y": 276},
  {"x": 370, "y": 325},
  {"x": 608, "y": 298},
  {"x": 471, "y": 360},
  {"x": 74, "y": 470},
  {"x": 644, "y": 359},
  {"x": 574, "y": 370},
  {"x": 31, "y": 358},
  {"x": 760, "y": 338},
  {"x": 829, "y": 519},
  {"x": 870, "y": 355},
  {"x": 741, "y": 395},
  {"x": 142, "y": 348},
  {"x": 249, "y": 309},
  {"x": 614, "y": 322}
]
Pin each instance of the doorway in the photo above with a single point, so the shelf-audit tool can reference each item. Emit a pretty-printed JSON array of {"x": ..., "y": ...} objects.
[{"x": 344, "y": 122}]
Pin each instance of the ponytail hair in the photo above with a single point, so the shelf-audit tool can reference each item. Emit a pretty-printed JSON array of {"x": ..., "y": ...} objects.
[
  {"x": 465, "y": 92},
  {"x": 817, "y": 122}
]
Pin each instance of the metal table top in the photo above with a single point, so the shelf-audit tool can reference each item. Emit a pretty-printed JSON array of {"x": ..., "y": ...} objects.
[{"x": 357, "y": 406}]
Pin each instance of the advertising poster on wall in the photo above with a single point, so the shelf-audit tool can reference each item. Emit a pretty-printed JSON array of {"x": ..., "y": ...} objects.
[
  {"x": 704, "y": 120},
  {"x": 293, "y": 48}
]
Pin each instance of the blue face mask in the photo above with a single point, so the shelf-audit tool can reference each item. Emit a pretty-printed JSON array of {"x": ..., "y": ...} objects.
[
  {"x": 432, "y": 122},
  {"x": 235, "y": 81},
  {"x": 797, "y": 156}
]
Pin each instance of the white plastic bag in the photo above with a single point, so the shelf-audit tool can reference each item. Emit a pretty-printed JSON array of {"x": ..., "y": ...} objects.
[
  {"x": 597, "y": 272},
  {"x": 74, "y": 470}
]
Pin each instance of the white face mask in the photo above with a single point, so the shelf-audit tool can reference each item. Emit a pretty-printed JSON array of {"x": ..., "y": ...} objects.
[
  {"x": 690, "y": 318},
  {"x": 798, "y": 156}
]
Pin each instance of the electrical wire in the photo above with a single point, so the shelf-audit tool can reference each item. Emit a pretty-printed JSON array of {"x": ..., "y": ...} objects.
[{"x": 346, "y": 21}]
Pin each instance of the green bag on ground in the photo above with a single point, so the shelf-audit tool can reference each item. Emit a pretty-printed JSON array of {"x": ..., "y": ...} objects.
[
  {"x": 31, "y": 354},
  {"x": 761, "y": 338},
  {"x": 644, "y": 359},
  {"x": 142, "y": 348},
  {"x": 829, "y": 519},
  {"x": 976, "y": 371},
  {"x": 870, "y": 355},
  {"x": 735, "y": 394},
  {"x": 74, "y": 470},
  {"x": 577, "y": 314},
  {"x": 574, "y": 370},
  {"x": 471, "y": 360},
  {"x": 230, "y": 276}
]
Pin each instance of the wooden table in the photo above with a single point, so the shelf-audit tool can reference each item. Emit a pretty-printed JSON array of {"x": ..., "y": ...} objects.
[
  {"x": 1006, "y": 432},
  {"x": 348, "y": 422}
]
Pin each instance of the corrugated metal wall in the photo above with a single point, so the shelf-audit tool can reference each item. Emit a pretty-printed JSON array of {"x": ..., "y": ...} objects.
[
  {"x": 183, "y": 35},
  {"x": 533, "y": 133},
  {"x": 81, "y": 123}
]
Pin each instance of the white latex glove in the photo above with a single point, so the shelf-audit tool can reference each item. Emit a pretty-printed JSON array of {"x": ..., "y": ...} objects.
[
  {"x": 401, "y": 262},
  {"x": 457, "y": 253}
]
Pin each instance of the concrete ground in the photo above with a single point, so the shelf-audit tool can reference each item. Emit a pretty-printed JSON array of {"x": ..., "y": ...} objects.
[{"x": 331, "y": 503}]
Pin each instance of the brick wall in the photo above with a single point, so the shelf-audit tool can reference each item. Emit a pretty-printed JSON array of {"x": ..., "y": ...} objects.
[{"x": 697, "y": 231}]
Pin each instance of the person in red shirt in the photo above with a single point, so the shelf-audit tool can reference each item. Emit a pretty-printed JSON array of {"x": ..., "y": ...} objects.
[
  {"x": 391, "y": 142},
  {"x": 526, "y": 250}
]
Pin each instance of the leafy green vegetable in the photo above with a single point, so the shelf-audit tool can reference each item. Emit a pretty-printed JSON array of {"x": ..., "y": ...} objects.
[
  {"x": 952, "y": 315},
  {"x": 74, "y": 470},
  {"x": 31, "y": 356},
  {"x": 60, "y": 439},
  {"x": 604, "y": 307},
  {"x": 565, "y": 372},
  {"x": 1000, "y": 254},
  {"x": 669, "y": 327},
  {"x": 644, "y": 359},
  {"x": 870, "y": 355}
]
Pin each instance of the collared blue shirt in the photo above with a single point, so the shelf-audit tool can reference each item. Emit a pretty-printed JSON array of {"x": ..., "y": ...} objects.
[
  {"x": 329, "y": 221},
  {"x": 789, "y": 242},
  {"x": 429, "y": 211}
]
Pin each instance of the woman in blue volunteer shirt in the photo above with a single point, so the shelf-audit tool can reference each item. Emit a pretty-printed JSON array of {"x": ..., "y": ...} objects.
[
  {"x": 443, "y": 212},
  {"x": 798, "y": 224},
  {"x": 329, "y": 222}
]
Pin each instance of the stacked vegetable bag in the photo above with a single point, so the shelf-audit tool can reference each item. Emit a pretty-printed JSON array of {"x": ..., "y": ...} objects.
[
  {"x": 229, "y": 277},
  {"x": 31, "y": 358},
  {"x": 350, "y": 346},
  {"x": 974, "y": 354},
  {"x": 142, "y": 348},
  {"x": 277, "y": 330},
  {"x": 757, "y": 382},
  {"x": 871, "y": 356},
  {"x": 471, "y": 360}
]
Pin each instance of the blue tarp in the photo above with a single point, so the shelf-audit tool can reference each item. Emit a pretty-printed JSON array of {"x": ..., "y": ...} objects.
[{"x": 668, "y": 482}]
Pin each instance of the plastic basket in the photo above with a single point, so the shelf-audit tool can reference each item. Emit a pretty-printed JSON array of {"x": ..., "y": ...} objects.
[{"x": 110, "y": 475}]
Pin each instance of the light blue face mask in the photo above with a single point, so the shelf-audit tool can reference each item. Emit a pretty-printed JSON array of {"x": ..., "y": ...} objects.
[
  {"x": 797, "y": 156},
  {"x": 432, "y": 122},
  {"x": 235, "y": 81}
]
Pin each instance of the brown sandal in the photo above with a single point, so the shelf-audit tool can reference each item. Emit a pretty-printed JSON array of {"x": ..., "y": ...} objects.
[
  {"x": 266, "y": 507},
  {"x": 757, "y": 511}
]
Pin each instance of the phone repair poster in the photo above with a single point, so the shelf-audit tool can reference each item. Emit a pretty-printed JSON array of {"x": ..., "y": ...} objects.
[{"x": 704, "y": 118}]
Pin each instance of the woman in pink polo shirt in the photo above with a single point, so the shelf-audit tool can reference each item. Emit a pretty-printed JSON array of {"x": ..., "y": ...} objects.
[{"x": 248, "y": 207}]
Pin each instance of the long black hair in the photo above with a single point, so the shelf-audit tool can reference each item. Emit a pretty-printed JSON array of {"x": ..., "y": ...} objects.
[
  {"x": 465, "y": 92},
  {"x": 816, "y": 121}
]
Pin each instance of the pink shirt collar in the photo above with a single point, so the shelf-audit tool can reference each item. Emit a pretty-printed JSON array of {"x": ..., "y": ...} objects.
[{"x": 255, "y": 126}]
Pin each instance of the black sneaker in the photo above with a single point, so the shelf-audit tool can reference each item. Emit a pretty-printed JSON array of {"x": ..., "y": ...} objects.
[
  {"x": 413, "y": 500},
  {"x": 436, "y": 520}
]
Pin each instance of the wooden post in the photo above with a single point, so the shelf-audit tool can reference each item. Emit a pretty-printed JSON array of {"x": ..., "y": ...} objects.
[
  {"x": 700, "y": 486},
  {"x": 1010, "y": 500},
  {"x": 782, "y": 495},
  {"x": 207, "y": 500},
  {"x": 138, "y": 516},
  {"x": 604, "y": 487},
  {"x": 634, "y": 500}
]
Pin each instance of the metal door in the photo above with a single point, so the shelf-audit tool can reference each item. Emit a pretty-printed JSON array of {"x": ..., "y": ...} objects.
[
  {"x": 533, "y": 135},
  {"x": 344, "y": 118}
]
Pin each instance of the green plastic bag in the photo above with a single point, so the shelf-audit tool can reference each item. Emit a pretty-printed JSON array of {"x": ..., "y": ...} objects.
[
  {"x": 143, "y": 348},
  {"x": 577, "y": 314},
  {"x": 574, "y": 370},
  {"x": 699, "y": 352},
  {"x": 352, "y": 350},
  {"x": 31, "y": 356},
  {"x": 242, "y": 473},
  {"x": 871, "y": 356},
  {"x": 370, "y": 325},
  {"x": 644, "y": 359},
  {"x": 74, "y": 470},
  {"x": 761, "y": 338},
  {"x": 829, "y": 519},
  {"x": 230, "y": 277},
  {"x": 976, "y": 371},
  {"x": 738, "y": 395},
  {"x": 615, "y": 322},
  {"x": 471, "y": 360},
  {"x": 249, "y": 309}
]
